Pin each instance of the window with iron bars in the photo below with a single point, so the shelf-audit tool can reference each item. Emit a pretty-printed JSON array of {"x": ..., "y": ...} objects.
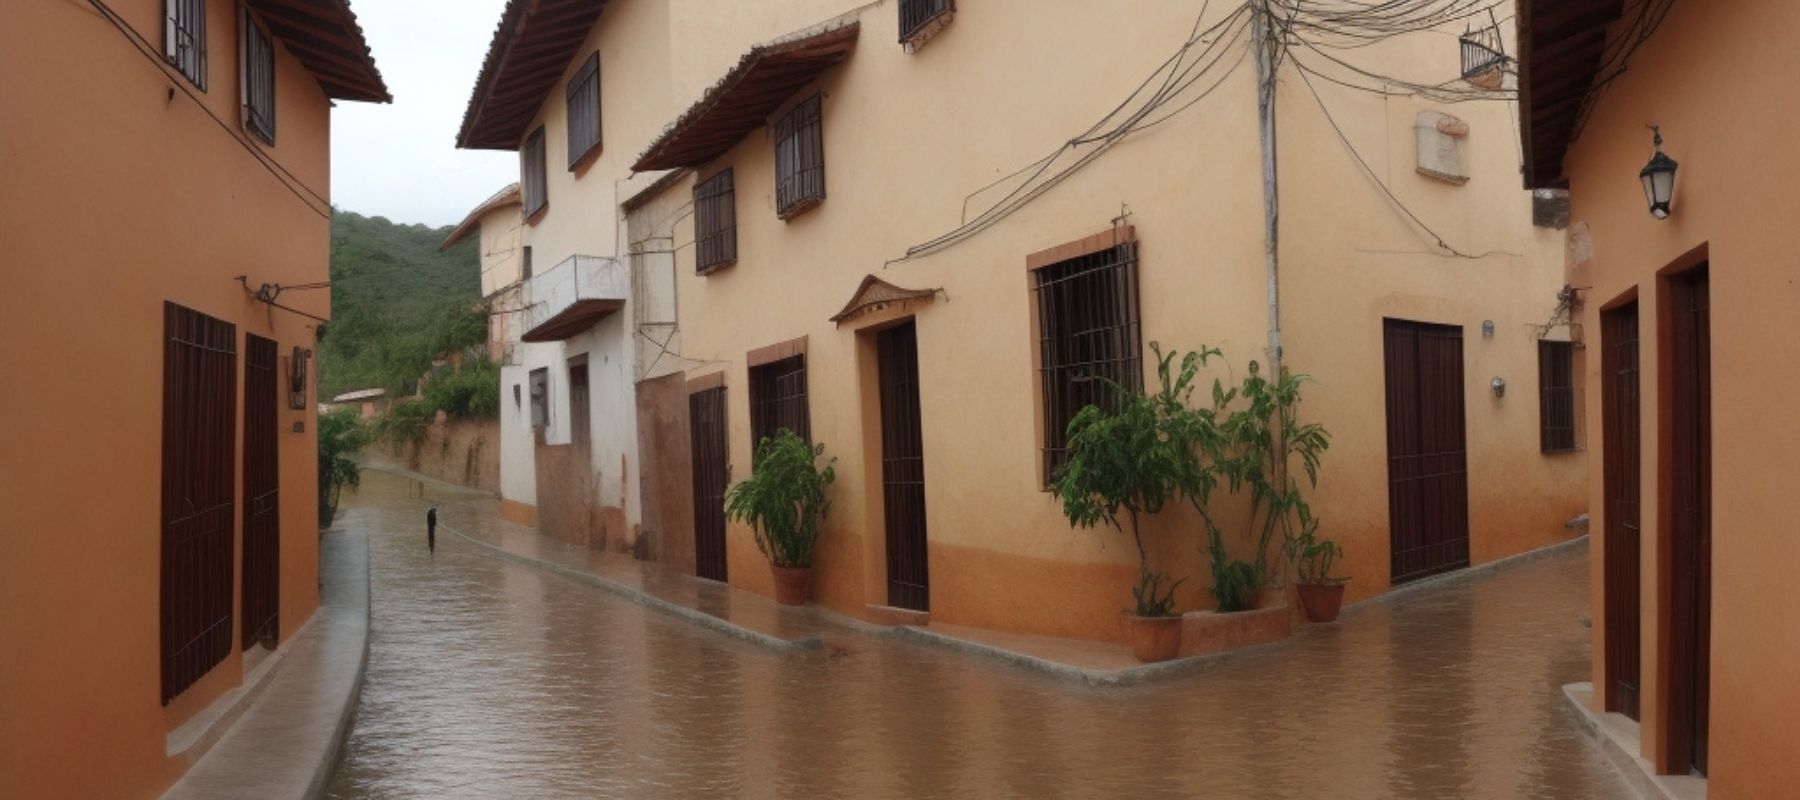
[
  {"x": 184, "y": 38},
  {"x": 1556, "y": 403},
  {"x": 1089, "y": 334},
  {"x": 532, "y": 174},
  {"x": 778, "y": 400},
  {"x": 1482, "y": 51},
  {"x": 584, "y": 110},
  {"x": 715, "y": 223},
  {"x": 799, "y": 159},
  {"x": 259, "y": 80},
  {"x": 919, "y": 17}
]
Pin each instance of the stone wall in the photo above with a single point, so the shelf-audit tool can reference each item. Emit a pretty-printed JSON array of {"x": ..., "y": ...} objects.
[{"x": 465, "y": 452}]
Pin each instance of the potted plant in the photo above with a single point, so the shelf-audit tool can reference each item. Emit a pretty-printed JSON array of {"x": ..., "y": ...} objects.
[
  {"x": 1132, "y": 460},
  {"x": 784, "y": 503},
  {"x": 1321, "y": 593}
]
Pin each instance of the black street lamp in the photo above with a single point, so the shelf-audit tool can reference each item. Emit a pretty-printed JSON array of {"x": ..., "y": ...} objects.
[{"x": 1659, "y": 179}]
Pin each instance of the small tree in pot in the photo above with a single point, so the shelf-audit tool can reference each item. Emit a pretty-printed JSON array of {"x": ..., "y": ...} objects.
[
  {"x": 784, "y": 503},
  {"x": 1134, "y": 460},
  {"x": 1321, "y": 593}
]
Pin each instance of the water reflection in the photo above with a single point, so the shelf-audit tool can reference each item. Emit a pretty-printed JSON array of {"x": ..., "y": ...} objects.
[{"x": 492, "y": 679}]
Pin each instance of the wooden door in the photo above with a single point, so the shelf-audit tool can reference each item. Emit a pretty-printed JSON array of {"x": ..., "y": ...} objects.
[
  {"x": 1691, "y": 506},
  {"x": 1623, "y": 488},
  {"x": 262, "y": 509},
  {"x": 1428, "y": 487},
  {"x": 903, "y": 469},
  {"x": 706, "y": 426}
]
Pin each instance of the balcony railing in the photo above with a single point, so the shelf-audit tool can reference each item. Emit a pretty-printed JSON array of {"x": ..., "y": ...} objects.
[
  {"x": 569, "y": 298},
  {"x": 919, "y": 19}
]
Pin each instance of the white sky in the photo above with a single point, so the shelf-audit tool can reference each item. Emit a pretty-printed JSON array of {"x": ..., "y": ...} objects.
[{"x": 400, "y": 161}]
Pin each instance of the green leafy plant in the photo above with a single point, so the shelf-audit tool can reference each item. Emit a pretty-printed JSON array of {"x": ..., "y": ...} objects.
[
  {"x": 1313, "y": 557},
  {"x": 406, "y": 421},
  {"x": 1268, "y": 435},
  {"x": 473, "y": 392},
  {"x": 783, "y": 500},
  {"x": 1132, "y": 460},
  {"x": 341, "y": 436}
]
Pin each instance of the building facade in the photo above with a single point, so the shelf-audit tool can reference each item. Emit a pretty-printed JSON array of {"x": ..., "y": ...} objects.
[
  {"x": 879, "y": 232},
  {"x": 1692, "y": 317},
  {"x": 167, "y": 174}
]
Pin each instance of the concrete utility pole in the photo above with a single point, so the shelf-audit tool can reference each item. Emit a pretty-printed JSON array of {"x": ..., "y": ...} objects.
[{"x": 1267, "y": 43}]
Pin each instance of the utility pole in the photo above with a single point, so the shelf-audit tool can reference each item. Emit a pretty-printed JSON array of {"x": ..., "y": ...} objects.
[{"x": 1267, "y": 43}]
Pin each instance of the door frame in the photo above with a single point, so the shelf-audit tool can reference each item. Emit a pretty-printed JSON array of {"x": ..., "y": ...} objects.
[{"x": 1395, "y": 409}]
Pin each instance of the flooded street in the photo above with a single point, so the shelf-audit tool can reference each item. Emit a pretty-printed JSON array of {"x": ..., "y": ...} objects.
[{"x": 488, "y": 678}]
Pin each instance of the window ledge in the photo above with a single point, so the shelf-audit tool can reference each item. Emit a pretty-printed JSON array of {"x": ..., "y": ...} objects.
[
  {"x": 581, "y": 163},
  {"x": 800, "y": 207},
  {"x": 930, "y": 28},
  {"x": 712, "y": 268}
]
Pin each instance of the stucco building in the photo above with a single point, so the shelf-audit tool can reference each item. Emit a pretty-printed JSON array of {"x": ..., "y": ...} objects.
[
  {"x": 907, "y": 229},
  {"x": 1691, "y": 314},
  {"x": 167, "y": 174}
]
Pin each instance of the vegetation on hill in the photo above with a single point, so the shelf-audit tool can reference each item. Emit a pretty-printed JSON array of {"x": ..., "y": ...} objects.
[{"x": 397, "y": 303}]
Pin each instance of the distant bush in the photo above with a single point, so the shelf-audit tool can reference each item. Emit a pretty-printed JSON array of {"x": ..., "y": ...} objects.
[{"x": 471, "y": 393}]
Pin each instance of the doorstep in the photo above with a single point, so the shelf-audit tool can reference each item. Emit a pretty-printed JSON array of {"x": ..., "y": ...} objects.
[
  {"x": 1618, "y": 736},
  {"x": 290, "y": 724}
]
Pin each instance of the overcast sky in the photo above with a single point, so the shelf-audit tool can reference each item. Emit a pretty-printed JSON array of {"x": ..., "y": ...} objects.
[{"x": 400, "y": 161}]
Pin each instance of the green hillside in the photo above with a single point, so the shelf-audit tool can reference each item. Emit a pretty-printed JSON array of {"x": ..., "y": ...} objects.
[{"x": 396, "y": 302}]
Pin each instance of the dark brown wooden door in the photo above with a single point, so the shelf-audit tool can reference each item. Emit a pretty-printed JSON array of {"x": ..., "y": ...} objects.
[
  {"x": 1691, "y": 505},
  {"x": 903, "y": 469},
  {"x": 1620, "y": 403},
  {"x": 706, "y": 426},
  {"x": 198, "y": 483},
  {"x": 1428, "y": 474},
  {"x": 262, "y": 482}
]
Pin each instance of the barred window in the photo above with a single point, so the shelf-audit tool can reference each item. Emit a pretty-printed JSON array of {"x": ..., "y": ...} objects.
[
  {"x": 584, "y": 110},
  {"x": 778, "y": 399},
  {"x": 259, "y": 80},
  {"x": 715, "y": 223},
  {"x": 799, "y": 159},
  {"x": 918, "y": 18},
  {"x": 1088, "y": 329},
  {"x": 532, "y": 174},
  {"x": 184, "y": 38},
  {"x": 1556, "y": 403}
]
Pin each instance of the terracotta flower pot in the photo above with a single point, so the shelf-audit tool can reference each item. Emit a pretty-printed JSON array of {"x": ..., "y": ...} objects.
[
  {"x": 1154, "y": 638},
  {"x": 793, "y": 585},
  {"x": 1321, "y": 600}
]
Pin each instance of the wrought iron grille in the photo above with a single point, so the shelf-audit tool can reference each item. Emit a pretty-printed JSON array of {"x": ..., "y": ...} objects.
[
  {"x": 917, "y": 15},
  {"x": 1556, "y": 388},
  {"x": 184, "y": 38},
  {"x": 1088, "y": 334},
  {"x": 1482, "y": 51},
  {"x": 262, "y": 494},
  {"x": 532, "y": 174},
  {"x": 198, "y": 482},
  {"x": 259, "y": 80},
  {"x": 715, "y": 223},
  {"x": 583, "y": 96},
  {"x": 778, "y": 400},
  {"x": 799, "y": 159}
]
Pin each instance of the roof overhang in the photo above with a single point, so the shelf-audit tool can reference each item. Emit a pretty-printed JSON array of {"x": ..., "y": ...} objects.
[
  {"x": 508, "y": 196},
  {"x": 325, "y": 37},
  {"x": 532, "y": 48},
  {"x": 1562, "y": 50},
  {"x": 743, "y": 99}
]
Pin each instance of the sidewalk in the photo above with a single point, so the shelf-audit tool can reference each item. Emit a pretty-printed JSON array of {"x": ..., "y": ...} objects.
[{"x": 286, "y": 743}]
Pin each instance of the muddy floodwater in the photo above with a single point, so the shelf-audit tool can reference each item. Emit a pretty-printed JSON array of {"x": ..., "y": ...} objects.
[{"x": 488, "y": 678}]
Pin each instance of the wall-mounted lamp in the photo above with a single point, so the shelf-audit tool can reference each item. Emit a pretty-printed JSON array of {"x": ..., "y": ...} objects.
[
  {"x": 1659, "y": 179},
  {"x": 1499, "y": 385}
]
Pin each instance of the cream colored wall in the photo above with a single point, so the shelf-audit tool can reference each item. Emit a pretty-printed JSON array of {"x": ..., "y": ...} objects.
[
  {"x": 1705, "y": 77},
  {"x": 117, "y": 198},
  {"x": 907, "y": 137},
  {"x": 501, "y": 261}
]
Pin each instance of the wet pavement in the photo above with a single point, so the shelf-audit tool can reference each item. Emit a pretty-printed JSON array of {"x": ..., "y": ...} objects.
[{"x": 489, "y": 678}]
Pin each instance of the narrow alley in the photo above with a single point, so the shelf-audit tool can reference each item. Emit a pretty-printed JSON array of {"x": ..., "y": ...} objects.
[{"x": 490, "y": 678}]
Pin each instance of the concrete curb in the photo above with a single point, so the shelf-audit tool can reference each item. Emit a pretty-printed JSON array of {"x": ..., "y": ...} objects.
[
  {"x": 1616, "y": 735},
  {"x": 1099, "y": 678},
  {"x": 347, "y": 718},
  {"x": 1404, "y": 592},
  {"x": 648, "y": 600}
]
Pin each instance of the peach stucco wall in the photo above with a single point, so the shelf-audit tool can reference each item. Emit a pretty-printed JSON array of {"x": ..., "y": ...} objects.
[
  {"x": 1706, "y": 77},
  {"x": 117, "y": 197}
]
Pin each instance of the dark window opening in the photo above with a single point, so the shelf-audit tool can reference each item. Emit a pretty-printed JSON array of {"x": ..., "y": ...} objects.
[
  {"x": 259, "y": 80},
  {"x": 525, "y": 263},
  {"x": 1556, "y": 404},
  {"x": 715, "y": 223},
  {"x": 184, "y": 38},
  {"x": 919, "y": 18},
  {"x": 1550, "y": 208},
  {"x": 533, "y": 174},
  {"x": 584, "y": 110},
  {"x": 778, "y": 400},
  {"x": 799, "y": 159},
  {"x": 540, "y": 397},
  {"x": 1088, "y": 335}
]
